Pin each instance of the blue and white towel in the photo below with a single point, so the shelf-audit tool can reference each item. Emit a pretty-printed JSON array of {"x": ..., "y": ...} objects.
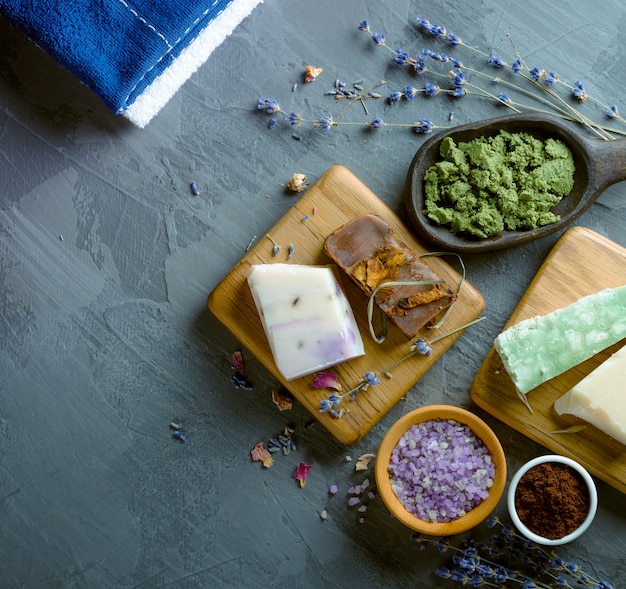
[{"x": 134, "y": 54}]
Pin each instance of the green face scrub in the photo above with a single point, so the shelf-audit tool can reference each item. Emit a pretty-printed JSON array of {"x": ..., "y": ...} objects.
[{"x": 509, "y": 181}]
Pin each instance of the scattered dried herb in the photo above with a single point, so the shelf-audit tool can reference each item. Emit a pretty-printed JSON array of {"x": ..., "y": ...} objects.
[
  {"x": 238, "y": 363},
  {"x": 251, "y": 242},
  {"x": 363, "y": 461},
  {"x": 260, "y": 453},
  {"x": 241, "y": 382},
  {"x": 283, "y": 443},
  {"x": 181, "y": 436},
  {"x": 326, "y": 380},
  {"x": 276, "y": 248},
  {"x": 302, "y": 473},
  {"x": 311, "y": 72},
  {"x": 283, "y": 402},
  {"x": 297, "y": 183}
]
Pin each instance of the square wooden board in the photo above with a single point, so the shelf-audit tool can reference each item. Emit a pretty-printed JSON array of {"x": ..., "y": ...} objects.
[
  {"x": 582, "y": 262},
  {"x": 336, "y": 198}
]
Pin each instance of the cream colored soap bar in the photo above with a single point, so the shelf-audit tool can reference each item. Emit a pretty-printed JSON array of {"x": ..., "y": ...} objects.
[
  {"x": 307, "y": 319},
  {"x": 540, "y": 348},
  {"x": 600, "y": 397}
]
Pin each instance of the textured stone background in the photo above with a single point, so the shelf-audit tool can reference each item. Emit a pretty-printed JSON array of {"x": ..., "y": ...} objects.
[{"x": 105, "y": 337}]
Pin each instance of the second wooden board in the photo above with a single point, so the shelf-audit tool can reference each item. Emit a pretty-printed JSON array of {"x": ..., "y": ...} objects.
[{"x": 581, "y": 263}]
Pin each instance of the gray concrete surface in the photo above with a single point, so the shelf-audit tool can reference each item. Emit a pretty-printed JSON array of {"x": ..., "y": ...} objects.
[{"x": 106, "y": 260}]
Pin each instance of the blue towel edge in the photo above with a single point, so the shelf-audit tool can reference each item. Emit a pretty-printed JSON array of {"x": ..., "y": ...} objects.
[{"x": 155, "y": 96}]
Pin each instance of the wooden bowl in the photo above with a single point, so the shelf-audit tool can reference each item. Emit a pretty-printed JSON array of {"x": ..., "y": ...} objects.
[
  {"x": 480, "y": 429},
  {"x": 598, "y": 165}
]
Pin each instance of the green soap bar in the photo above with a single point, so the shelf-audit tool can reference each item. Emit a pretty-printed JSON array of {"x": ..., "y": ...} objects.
[{"x": 540, "y": 348}]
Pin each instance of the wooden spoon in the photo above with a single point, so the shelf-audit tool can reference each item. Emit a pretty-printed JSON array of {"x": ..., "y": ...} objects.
[{"x": 599, "y": 164}]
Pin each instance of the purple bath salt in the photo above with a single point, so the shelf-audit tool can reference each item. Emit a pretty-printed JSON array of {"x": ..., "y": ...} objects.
[{"x": 440, "y": 470}]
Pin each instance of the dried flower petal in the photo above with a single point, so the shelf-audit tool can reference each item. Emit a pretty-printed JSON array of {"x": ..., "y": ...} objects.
[
  {"x": 302, "y": 473},
  {"x": 333, "y": 489},
  {"x": 326, "y": 380},
  {"x": 238, "y": 363},
  {"x": 311, "y": 72},
  {"x": 363, "y": 462},
  {"x": 283, "y": 402},
  {"x": 260, "y": 453},
  {"x": 297, "y": 183},
  {"x": 353, "y": 501}
]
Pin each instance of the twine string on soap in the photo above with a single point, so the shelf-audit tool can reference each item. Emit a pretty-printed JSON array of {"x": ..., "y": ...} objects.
[{"x": 379, "y": 339}]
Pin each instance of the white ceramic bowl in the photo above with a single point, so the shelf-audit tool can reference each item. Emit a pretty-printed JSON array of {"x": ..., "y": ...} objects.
[{"x": 593, "y": 500}]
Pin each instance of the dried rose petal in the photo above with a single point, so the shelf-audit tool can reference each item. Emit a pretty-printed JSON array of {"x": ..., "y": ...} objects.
[
  {"x": 261, "y": 453},
  {"x": 363, "y": 462},
  {"x": 283, "y": 402},
  {"x": 311, "y": 72},
  {"x": 238, "y": 363},
  {"x": 302, "y": 473},
  {"x": 326, "y": 380}
]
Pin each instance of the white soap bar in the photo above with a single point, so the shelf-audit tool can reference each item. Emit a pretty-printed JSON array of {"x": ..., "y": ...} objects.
[
  {"x": 600, "y": 397},
  {"x": 307, "y": 319}
]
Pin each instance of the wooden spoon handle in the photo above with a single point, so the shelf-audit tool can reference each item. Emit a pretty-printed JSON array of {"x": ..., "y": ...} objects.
[{"x": 608, "y": 160}]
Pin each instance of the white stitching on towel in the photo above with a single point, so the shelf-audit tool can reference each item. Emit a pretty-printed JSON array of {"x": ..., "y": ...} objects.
[
  {"x": 195, "y": 22},
  {"x": 145, "y": 22}
]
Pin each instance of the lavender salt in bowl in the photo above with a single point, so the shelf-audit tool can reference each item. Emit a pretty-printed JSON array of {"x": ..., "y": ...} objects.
[{"x": 440, "y": 470}]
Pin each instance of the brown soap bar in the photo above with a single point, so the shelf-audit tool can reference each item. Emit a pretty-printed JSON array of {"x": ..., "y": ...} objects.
[{"x": 368, "y": 251}]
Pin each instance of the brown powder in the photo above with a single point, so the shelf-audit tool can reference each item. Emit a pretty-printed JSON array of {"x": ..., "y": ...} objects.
[{"x": 552, "y": 500}]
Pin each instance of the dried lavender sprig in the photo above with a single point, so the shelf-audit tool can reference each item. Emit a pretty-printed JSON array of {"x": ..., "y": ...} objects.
[
  {"x": 576, "y": 89},
  {"x": 402, "y": 58},
  {"x": 459, "y": 89},
  {"x": 327, "y": 122},
  {"x": 538, "y": 570},
  {"x": 534, "y": 76},
  {"x": 367, "y": 94},
  {"x": 555, "y": 563},
  {"x": 372, "y": 378}
]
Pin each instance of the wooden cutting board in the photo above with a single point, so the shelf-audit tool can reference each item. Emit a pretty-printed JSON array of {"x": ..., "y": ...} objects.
[
  {"x": 336, "y": 198},
  {"x": 581, "y": 263}
]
